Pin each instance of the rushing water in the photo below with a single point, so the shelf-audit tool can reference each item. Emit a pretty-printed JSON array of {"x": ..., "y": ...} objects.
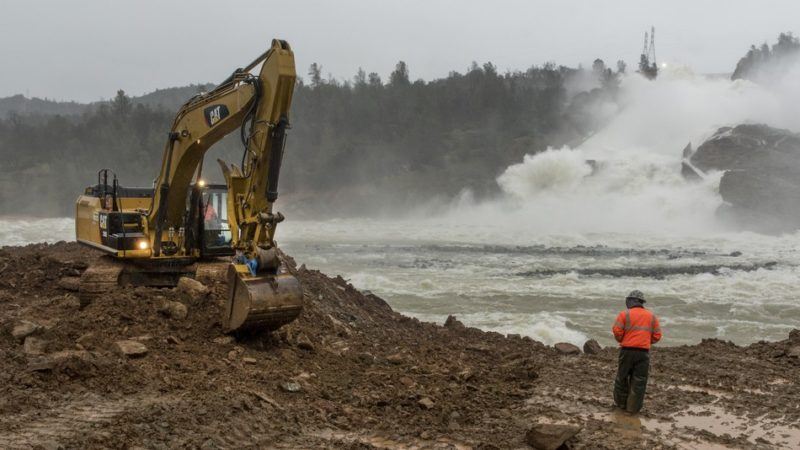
[{"x": 553, "y": 256}]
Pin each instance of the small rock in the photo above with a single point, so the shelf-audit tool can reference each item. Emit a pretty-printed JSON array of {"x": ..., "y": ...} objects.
[
  {"x": 49, "y": 444},
  {"x": 24, "y": 329},
  {"x": 291, "y": 386},
  {"x": 209, "y": 444},
  {"x": 395, "y": 359},
  {"x": 793, "y": 352},
  {"x": 72, "y": 301},
  {"x": 75, "y": 360},
  {"x": 141, "y": 291},
  {"x": 480, "y": 348},
  {"x": 130, "y": 348},
  {"x": 173, "y": 340},
  {"x": 567, "y": 349},
  {"x": 426, "y": 403},
  {"x": 453, "y": 323},
  {"x": 366, "y": 358},
  {"x": 735, "y": 254},
  {"x": 550, "y": 436},
  {"x": 84, "y": 338},
  {"x": 466, "y": 375},
  {"x": 407, "y": 381},
  {"x": 175, "y": 310},
  {"x": 86, "y": 341},
  {"x": 224, "y": 340},
  {"x": 192, "y": 288},
  {"x": 249, "y": 360},
  {"x": 34, "y": 346},
  {"x": 69, "y": 283},
  {"x": 304, "y": 343},
  {"x": 592, "y": 347}
]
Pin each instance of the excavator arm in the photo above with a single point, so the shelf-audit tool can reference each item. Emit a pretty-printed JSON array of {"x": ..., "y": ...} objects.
[{"x": 259, "y": 106}]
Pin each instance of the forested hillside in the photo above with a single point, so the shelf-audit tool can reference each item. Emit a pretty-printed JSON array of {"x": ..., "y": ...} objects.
[
  {"x": 764, "y": 64},
  {"x": 353, "y": 145}
]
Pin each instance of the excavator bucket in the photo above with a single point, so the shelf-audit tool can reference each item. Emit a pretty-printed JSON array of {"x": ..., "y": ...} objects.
[{"x": 260, "y": 303}]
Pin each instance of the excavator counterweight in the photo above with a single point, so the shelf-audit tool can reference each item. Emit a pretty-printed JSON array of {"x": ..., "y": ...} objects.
[{"x": 183, "y": 226}]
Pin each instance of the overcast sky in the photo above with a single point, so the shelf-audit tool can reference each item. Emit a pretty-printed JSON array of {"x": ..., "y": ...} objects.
[{"x": 87, "y": 49}]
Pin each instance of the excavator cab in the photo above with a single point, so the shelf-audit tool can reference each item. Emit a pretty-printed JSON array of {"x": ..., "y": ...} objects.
[{"x": 215, "y": 231}]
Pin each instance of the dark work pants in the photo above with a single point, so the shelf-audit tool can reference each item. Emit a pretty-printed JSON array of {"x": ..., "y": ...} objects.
[{"x": 631, "y": 381}]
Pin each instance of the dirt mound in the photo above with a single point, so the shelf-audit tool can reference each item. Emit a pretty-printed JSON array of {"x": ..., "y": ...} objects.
[{"x": 350, "y": 372}]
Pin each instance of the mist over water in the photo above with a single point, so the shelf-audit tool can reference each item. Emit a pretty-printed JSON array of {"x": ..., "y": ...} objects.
[
  {"x": 616, "y": 204},
  {"x": 626, "y": 177}
]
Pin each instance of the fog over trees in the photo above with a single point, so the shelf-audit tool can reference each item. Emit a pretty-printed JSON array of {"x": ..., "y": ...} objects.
[
  {"x": 762, "y": 64},
  {"x": 353, "y": 143},
  {"x": 356, "y": 146}
]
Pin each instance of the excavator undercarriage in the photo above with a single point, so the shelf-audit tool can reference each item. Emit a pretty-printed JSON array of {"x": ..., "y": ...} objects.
[{"x": 260, "y": 303}]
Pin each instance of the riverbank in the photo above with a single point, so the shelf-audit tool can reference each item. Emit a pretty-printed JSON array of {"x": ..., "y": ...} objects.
[{"x": 349, "y": 373}]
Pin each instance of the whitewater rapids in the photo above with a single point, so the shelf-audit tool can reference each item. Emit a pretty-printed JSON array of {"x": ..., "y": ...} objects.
[{"x": 530, "y": 284}]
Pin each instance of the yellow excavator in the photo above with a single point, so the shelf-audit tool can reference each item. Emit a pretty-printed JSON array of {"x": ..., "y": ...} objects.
[{"x": 183, "y": 226}]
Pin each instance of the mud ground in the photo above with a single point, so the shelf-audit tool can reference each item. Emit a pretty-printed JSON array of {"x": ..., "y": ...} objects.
[{"x": 349, "y": 373}]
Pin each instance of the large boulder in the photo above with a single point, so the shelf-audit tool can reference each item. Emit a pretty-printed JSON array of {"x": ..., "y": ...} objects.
[
  {"x": 761, "y": 183},
  {"x": 192, "y": 288},
  {"x": 453, "y": 323},
  {"x": 547, "y": 436},
  {"x": 176, "y": 310},
  {"x": 592, "y": 347}
]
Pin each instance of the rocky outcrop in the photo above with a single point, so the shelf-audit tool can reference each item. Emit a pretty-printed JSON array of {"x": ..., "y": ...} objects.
[{"x": 761, "y": 183}]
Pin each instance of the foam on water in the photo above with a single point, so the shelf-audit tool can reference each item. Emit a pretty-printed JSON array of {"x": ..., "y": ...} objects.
[
  {"x": 483, "y": 287},
  {"x": 26, "y": 230}
]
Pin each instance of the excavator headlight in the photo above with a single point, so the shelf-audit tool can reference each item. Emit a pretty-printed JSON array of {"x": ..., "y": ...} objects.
[
  {"x": 142, "y": 244},
  {"x": 201, "y": 183}
]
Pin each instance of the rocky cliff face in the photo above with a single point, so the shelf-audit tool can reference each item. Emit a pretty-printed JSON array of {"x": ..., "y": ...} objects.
[{"x": 761, "y": 184}]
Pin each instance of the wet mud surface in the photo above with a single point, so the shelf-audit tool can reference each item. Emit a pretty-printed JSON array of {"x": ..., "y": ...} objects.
[{"x": 349, "y": 373}]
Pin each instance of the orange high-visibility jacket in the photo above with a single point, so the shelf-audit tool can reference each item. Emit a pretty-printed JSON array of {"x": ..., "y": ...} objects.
[{"x": 636, "y": 327}]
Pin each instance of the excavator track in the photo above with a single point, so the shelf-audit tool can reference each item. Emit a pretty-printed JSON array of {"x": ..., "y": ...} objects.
[
  {"x": 107, "y": 274},
  {"x": 99, "y": 279}
]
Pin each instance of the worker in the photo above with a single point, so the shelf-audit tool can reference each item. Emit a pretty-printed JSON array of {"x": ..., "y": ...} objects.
[
  {"x": 211, "y": 214},
  {"x": 636, "y": 328}
]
